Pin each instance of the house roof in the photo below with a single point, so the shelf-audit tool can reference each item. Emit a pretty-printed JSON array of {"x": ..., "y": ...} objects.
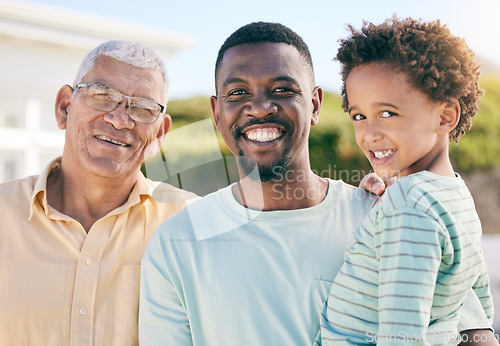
[{"x": 56, "y": 25}]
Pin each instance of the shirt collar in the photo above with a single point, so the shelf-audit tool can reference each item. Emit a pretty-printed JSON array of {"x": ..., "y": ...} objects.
[
  {"x": 40, "y": 189},
  {"x": 143, "y": 187}
]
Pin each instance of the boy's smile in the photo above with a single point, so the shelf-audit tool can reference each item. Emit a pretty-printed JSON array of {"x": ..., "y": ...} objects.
[{"x": 396, "y": 125}]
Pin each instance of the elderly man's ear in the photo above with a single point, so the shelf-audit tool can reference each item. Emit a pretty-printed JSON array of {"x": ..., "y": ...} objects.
[
  {"x": 63, "y": 101},
  {"x": 154, "y": 146}
]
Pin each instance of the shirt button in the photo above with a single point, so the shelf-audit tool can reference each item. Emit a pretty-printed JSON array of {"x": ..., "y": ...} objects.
[
  {"x": 83, "y": 311},
  {"x": 88, "y": 261}
]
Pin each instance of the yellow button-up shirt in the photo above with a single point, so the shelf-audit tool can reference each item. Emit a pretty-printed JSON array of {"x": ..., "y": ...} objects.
[{"x": 62, "y": 286}]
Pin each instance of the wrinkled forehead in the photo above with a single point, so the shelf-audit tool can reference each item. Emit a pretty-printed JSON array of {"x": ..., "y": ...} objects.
[{"x": 127, "y": 79}]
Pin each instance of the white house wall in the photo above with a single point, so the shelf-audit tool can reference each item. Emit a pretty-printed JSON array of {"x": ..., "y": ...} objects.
[{"x": 41, "y": 48}]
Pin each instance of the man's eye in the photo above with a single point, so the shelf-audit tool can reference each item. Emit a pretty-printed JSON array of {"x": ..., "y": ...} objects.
[
  {"x": 282, "y": 90},
  {"x": 237, "y": 92},
  {"x": 101, "y": 95},
  {"x": 357, "y": 117},
  {"x": 387, "y": 114}
]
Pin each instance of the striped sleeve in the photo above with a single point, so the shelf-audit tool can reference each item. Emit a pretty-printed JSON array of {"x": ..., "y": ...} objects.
[
  {"x": 409, "y": 244},
  {"x": 482, "y": 289}
]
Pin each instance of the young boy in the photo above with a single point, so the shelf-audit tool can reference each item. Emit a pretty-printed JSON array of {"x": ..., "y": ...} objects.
[{"x": 410, "y": 87}]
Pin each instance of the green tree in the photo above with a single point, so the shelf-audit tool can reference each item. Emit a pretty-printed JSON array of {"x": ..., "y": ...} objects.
[{"x": 479, "y": 149}]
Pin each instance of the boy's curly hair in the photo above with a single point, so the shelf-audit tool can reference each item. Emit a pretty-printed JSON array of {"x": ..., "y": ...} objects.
[{"x": 438, "y": 64}]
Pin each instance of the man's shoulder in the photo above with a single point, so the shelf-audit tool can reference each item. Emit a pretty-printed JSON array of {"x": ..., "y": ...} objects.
[
  {"x": 18, "y": 188},
  {"x": 196, "y": 203},
  {"x": 350, "y": 195},
  {"x": 166, "y": 193},
  {"x": 16, "y": 197},
  {"x": 199, "y": 217}
]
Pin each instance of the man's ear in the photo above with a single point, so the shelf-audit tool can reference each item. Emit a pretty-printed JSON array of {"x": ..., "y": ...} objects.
[
  {"x": 63, "y": 102},
  {"x": 317, "y": 99},
  {"x": 449, "y": 117},
  {"x": 215, "y": 112},
  {"x": 163, "y": 129}
]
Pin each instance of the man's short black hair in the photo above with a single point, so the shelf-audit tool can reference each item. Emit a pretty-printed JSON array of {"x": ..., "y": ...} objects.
[{"x": 260, "y": 32}]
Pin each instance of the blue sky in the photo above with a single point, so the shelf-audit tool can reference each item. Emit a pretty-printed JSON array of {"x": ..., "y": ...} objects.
[{"x": 321, "y": 23}]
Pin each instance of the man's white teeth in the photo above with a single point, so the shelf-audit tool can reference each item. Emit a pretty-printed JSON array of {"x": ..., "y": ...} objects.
[
  {"x": 107, "y": 139},
  {"x": 263, "y": 136},
  {"x": 382, "y": 154}
]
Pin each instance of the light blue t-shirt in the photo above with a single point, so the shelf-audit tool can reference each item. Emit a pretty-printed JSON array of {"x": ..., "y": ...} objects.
[
  {"x": 220, "y": 274},
  {"x": 217, "y": 273}
]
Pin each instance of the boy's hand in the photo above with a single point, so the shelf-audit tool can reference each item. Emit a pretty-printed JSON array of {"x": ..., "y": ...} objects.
[{"x": 373, "y": 183}]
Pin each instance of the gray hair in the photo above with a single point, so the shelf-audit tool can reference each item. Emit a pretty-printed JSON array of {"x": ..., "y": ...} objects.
[{"x": 130, "y": 52}]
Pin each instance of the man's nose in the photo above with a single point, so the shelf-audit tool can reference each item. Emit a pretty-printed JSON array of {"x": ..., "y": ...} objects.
[
  {"x": 119, "y": 117},
  {"x": 261, "y": 106}
]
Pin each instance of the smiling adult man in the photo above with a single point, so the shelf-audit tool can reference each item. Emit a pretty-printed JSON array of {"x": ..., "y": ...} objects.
[
  {"x": 72, "y": 238},
  {"x": 252, "y": 264}
]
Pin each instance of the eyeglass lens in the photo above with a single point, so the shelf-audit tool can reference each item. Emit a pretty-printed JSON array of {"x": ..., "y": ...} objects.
[{"x": 106, "y": 100}]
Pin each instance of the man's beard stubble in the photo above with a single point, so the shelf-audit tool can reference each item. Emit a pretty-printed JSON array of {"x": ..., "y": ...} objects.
[
  {"x": 268, "y": 172},
  {"x": 264, "y": 173}
]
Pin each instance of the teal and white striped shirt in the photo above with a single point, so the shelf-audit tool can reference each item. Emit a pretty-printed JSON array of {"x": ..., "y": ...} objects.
[{"x": 415, "y": 258}]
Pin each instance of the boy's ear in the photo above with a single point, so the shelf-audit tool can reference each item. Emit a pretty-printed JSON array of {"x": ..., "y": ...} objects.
[{"x": 449, "y": 118}]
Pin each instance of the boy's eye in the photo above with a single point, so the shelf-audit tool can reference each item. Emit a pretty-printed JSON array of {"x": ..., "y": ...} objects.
[
  {"x": 387, "y": 114},
  {"x": 357, "y": 117}
]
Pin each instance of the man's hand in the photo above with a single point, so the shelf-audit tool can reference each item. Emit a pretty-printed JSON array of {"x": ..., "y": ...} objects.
[
  {"x": 373, "y": 183},
  {"x": 483, "y": 337}
]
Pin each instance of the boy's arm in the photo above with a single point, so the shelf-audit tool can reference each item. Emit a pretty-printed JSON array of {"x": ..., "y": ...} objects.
[
  {"x": 474, "y": 325},
  {"x": 410, "y": 245},
  {"x": 162, "y": 317}
]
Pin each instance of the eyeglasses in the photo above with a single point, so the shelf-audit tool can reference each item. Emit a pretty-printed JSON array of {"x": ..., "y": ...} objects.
[{"x": 104, "y": 99}]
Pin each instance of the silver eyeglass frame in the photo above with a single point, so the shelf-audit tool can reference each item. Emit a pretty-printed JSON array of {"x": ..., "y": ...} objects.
[{"x": 128, "y": 98}]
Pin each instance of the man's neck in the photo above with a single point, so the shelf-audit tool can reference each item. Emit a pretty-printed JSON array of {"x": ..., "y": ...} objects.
[
  {"x": 291, "y": 193},
  {"x": 86, "y": 199}
]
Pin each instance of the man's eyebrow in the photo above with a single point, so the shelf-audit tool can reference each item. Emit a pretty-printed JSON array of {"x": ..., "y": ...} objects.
[
  {"x": 276, "y": 79},
  {"x": 285, "y": 79},
  {"x": 232, "y": 80},
  {"x": 100, "y": 82}
]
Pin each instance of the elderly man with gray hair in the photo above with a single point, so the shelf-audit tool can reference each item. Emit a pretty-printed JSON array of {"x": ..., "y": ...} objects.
[{"x": 72, "y": 238}]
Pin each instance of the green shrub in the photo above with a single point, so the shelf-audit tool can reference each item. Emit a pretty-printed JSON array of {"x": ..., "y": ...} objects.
[{"x": 333, "y": 150}]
